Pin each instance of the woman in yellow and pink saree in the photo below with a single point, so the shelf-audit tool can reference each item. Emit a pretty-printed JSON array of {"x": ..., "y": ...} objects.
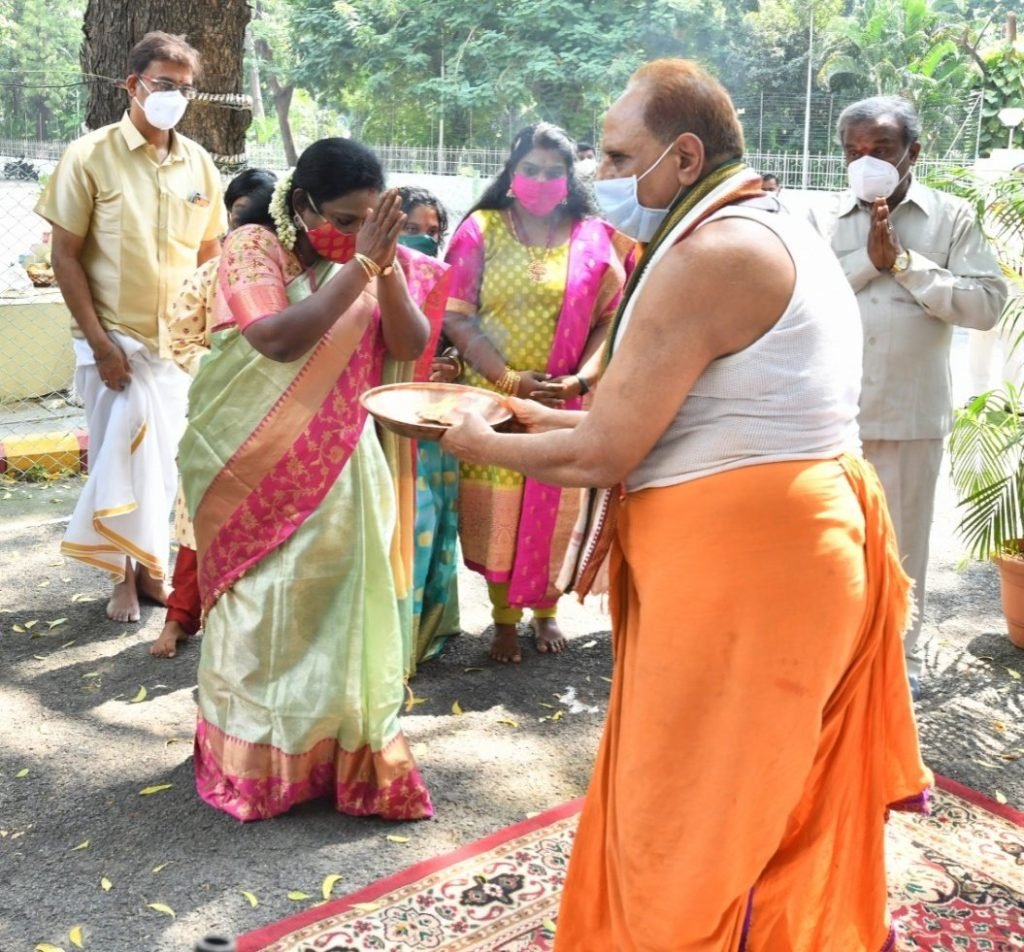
[{"x": 301, "y": 674}]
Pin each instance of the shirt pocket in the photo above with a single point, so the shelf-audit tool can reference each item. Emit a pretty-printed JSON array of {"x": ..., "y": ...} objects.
[{"x": 186, "y": 223}]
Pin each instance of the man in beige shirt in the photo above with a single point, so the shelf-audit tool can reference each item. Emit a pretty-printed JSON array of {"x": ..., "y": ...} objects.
[
  {"x": 134, "y": 208},
  {"x": 919, "y": 265}
]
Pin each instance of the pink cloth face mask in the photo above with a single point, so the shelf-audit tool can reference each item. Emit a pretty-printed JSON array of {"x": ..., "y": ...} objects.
[{"x": 540, "y": 197}]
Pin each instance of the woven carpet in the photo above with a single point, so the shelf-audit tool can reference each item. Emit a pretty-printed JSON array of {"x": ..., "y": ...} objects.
[{"x": 956, "y": 882}]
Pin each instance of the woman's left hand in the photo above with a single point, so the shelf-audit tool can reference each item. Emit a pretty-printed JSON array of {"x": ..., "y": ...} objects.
[{"x": 468, "y": 438}]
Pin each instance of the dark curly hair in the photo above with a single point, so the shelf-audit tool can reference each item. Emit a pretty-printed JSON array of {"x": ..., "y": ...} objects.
[
  {"x": 543, "y": 135},
  {"x": 413, "y": 196}
]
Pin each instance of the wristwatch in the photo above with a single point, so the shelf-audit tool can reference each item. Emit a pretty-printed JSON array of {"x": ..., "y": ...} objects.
[{"x": 901, "y": 263}]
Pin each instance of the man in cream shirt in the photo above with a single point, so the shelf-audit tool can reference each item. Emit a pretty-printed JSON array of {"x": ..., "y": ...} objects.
[
  {"x": 919, "y": 265},
  {"x": 134, "y": 208}
]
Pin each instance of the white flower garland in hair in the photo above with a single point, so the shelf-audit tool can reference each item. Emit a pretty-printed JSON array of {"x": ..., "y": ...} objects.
[{"x": 281, "y": 214}]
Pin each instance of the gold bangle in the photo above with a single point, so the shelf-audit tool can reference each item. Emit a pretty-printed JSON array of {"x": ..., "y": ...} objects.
[
  {"x": 369, "y": 265},
  {"x": 508, "y": 384},
  {"x": 366, "y": 271}
]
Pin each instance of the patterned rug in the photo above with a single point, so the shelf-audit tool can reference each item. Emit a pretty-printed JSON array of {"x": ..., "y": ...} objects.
[{"x": 956, "y": 882}]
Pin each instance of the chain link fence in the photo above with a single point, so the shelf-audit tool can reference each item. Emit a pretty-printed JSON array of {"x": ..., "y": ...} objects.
[{"x": 42, "y": 424}]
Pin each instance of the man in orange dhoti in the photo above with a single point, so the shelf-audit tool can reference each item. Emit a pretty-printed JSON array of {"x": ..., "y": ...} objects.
[{"x": 760, "y": 724}]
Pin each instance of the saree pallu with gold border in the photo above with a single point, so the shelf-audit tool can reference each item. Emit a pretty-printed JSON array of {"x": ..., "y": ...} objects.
[{"x": 301, "y": 674}]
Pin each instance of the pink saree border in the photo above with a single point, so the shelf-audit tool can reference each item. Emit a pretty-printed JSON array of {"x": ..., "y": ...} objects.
[
  {"x": 590, "y": 244},
  {"x": 359, "y": 783}
]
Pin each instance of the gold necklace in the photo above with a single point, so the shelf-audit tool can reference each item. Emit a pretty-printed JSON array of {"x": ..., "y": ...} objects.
[{"x": 537, "y": 269}]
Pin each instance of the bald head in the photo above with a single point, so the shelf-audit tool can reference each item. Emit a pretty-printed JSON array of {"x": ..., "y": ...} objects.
[{"x": 678, "y": 96}]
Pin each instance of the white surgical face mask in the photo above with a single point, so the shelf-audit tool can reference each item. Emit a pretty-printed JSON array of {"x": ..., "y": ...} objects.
[
  {"x": 586, "y": 167},
  {"x": 872, "y": 178},
  {"x": 163, "y": 109},
  {"x": 617, "y": 199}
]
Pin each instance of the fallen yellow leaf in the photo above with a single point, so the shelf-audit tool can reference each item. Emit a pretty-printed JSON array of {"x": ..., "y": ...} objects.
[
  {"x": 456, "y": 708},
  {"x": 46, "y": 947},
  {"x": 545, "y": 704},
  {"x": 55, "y": 622},
  {"x": 22, "y": 773},
  {"x": 470, "y": 670},
  {"x": 413, "y": 700},
  {"x": 43, "y": 584},
  {"x": 32, "y": 624},
  {"x": 105, "y": 884},
  {"x": 39, "y": 657},
  {"x": 160, "y": 907},
  {"x": 589, "y": 644},
  {"x": 328, "y": 885},
  {"x": 146, "y": 791},
  {"x": 1001, "y": 797},
  {"x": 253, "y": 901},
  {"x": 557, "y": 716},
  {"x": 141, "y": 696},
  {"x": 509, "y": 722},
  {"x": 75, "y": 935},
  {"x": 156, "y": 869},
  {"x": 1013, "y": 674},
  {"x": 393, "y": 838},
  {"x": 603, "y": 678},
  {"x": 68, "y": 644},
  {"x": 84, "y": 845},
  {"x": 19, "y": 629},
  {"x": 296, "y": 896}
]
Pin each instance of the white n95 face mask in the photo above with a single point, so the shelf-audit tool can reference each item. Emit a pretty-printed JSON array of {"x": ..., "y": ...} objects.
[
  {"x": 872, "y": 178},
  {"x": 620, "y": 206},
  {"x": 163, "y": 109}
]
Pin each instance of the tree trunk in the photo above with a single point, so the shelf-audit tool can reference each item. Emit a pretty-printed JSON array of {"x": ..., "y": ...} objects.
[
  {"x": 282, "y": 102},
  {"x": 216, "y": 29},
  {"x": 254, "y": 75}
]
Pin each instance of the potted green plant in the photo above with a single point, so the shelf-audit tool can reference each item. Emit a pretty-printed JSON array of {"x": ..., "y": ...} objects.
[{"x": 986, "y": 450}]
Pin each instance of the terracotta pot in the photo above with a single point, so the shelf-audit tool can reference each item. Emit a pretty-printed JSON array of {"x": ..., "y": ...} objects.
[{"x": 1011, "y": 589}]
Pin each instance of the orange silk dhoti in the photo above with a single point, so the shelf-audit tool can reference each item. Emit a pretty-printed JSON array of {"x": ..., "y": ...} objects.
[{"x": 759, "y": 725}]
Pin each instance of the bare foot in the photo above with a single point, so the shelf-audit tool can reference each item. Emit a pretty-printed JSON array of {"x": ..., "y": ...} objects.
[
  {"x": 166, "y": 646},
  {"x": 124, "y": 600},
  {"x": 505, "y": 644},
  {"x": 148, "y": 587},
  {"x": 548, "y": 637}
]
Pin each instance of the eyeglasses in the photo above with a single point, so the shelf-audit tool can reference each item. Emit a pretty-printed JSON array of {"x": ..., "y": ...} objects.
[{"x": 167, "y": 86}]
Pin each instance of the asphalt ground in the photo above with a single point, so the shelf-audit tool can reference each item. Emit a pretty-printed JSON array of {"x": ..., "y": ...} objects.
[{"x": 77, "y": 747}]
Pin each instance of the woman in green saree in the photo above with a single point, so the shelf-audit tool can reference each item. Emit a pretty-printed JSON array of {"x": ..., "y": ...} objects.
[{"x": 301, "y": 674}]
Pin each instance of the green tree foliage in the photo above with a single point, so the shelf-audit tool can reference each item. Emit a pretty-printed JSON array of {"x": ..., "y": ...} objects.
[
  {"x": 1003, "y": 87},
  {"x": 398, "y": 67},
  {"x": 39, "y": 41},
  {"x": 907, "y": 48}
]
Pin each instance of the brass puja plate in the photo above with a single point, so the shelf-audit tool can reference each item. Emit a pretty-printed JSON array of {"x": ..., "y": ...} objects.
[{"x": 424, "y": 411}]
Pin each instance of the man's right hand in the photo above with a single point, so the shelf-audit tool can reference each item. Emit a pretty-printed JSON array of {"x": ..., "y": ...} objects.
[{"x": 115, "y": 371}]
